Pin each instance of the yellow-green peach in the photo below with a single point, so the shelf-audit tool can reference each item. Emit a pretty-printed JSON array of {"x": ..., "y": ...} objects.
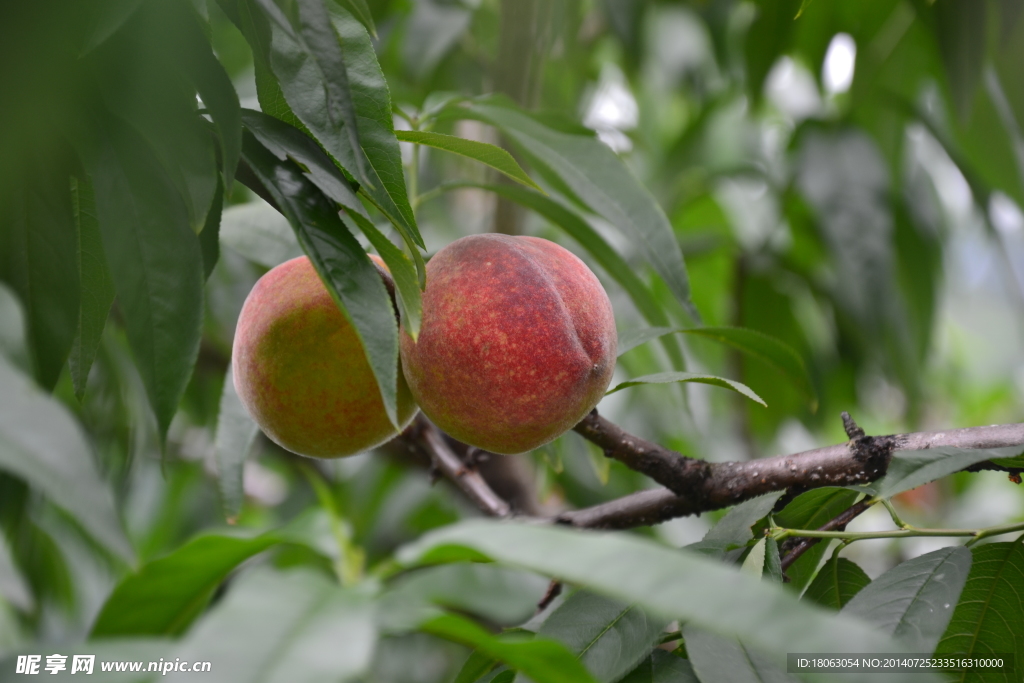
[{"x": 301, "y": 371}]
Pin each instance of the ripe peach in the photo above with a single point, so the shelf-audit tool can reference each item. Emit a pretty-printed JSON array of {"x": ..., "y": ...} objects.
[
  {"x": 517, "y": 342},
  {"x": 301, "y": 371}
]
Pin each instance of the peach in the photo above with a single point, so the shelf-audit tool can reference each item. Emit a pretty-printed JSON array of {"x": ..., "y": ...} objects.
[
  {"x": 517, "y": 342},
  {"x": 301, "y": 371}
]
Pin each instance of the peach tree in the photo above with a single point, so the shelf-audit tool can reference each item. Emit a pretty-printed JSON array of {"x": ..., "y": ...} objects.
[{"x": 723, "y": 223}]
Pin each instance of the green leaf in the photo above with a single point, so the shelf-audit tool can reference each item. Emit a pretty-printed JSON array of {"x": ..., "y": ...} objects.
[
  {"x": 166, "y": 595},
  {"x": 38, "y": 258},
  {"x": 773, "y": 562},
  {"x": 236, "y": 433},
  {"x": 476, "y": 666},
  {"x": 487, "y": 154},
  {"x": 736, "y": 526},
  {"x": 601, "y": 180},
  {"x": 294, "y": 627},
  {"x": 13, "y": 587},
  {"x": 609, "y": 259},
  {"x": 915, "y": 600},
  {"x": 376, "y": 127},
  {"x": 717, "y": 658},
  {"x": 662, "y": 667},
  {"x": 260, "y": 233},
  {"x": 668, "y": 377},
  {"x": 810, "y": 510},
  {"x": 754, "y": 563},
  {"x": 837, "y": 582},
  {"x": 608, "y": 636},
  {"x": 108, "y": 17},
  {"x": 155, "y": 264},
  {"x": 359, "y": 10},
  {"x": 97, "y": 291},
  {"x": 288, "y": 142},
  {"x": 767, "y": 39},
  {"x": 991, "y": 606},
  {"x": 204, "y": 70},
  {"x": 41, "y": 443},
  {"x": 910, "y": 469},
  {"x": 772, "y": 351},
  {"x": 498, "y": 594},
  {"x": 309, "y": 64},
  {"x": 666, "y": 581},
  {"x": 209, "y": 237},
  {"x": 346, "y": 270},
  {"x": 544, "y": 661},
  {"x": 961, "y": 26}
]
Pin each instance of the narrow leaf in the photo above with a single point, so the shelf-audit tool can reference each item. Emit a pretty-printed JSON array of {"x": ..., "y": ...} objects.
[
  {"x": 346, "y": 270},
  {"x": 376, "y": 127},
  {"x": 13, "y": 587},
  {"x": 498, "y": 594},
  {"x": 666, "y": 581},
  {"x": 359, "y": 10},
  {"x": 717, "y": 658},
  {"x": 235, "y": 435},
  {"x": 260, "y": 233},
  {"x": 754, "y": 564},
  {"x": 991, "y": 606},
  {"x": 838, "y": 581},
  {"x": 735, "y": 527},
  {"x": 544, "y": 661},
  {"x": 910, "y": 469},
  {"x": 662, "y": 667},
  {"x": 294, "y": 627},
  {"x": 209, "y": 237},
  {"x": 324, "y": 49},
  {"x": 206, "y": 73},
  {"x": 41, "y": 443},
  {"x": 166, "y": 595},
  {"x": 40, "y": 264},
  {"x": 608, "y": 636},
  {"x": 602, "y": 181},
  {"x": 810, "y": 510},
  {"x": 772, "y": 351},
  {"x": 310, "y": 71},
  {"x": 476, "y": 666},
  {"x": 915, "y": 600},
  {"x": 288, "y": 142},
  {"x": 97, "y": 291},
  {"x": 155, "y": 264},
  {"x": 487, "y": 154},
  {"x": 668, "y": 377}
]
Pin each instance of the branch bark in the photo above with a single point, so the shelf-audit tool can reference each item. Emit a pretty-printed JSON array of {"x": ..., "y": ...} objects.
[
  {"x": 424, "y": 436},
  {"x": 695, "y": 486}
]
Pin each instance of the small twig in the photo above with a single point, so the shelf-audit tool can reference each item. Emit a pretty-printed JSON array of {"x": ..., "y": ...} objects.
[
  {"x": 852, "y": 429},
  {"x": 839, "y": 522},
  {"x": 553, "y": 591},
  {"x": 423, "y": 434}
]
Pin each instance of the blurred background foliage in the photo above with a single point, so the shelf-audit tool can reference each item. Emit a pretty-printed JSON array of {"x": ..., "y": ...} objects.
[{"x": 845, "y": 176}]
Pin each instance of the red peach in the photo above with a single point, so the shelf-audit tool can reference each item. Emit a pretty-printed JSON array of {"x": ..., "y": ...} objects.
[
  {"x": 517, "y": 342},
  {"x": 301, "y": 371}
]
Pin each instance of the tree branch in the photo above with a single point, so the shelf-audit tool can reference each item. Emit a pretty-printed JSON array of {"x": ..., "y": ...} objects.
[
  {"x": 422, "y": 435},
  {"x": 695, "y": 486}
]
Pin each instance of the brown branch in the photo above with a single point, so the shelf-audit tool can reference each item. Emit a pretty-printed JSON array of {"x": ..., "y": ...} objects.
[
  {"x": 695, "y": 486},
  {"x": 422, "y": 435}
]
